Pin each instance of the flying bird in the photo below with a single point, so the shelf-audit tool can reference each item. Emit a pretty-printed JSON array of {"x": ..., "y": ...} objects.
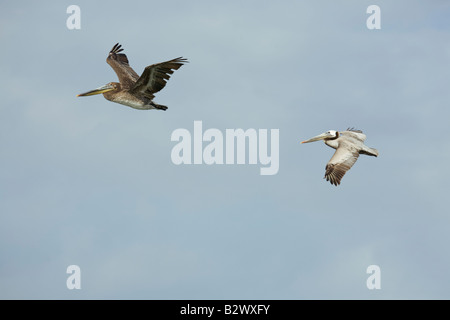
[
  {"x": 349, "y": 145},
  {"x": 134, "y": 91}
]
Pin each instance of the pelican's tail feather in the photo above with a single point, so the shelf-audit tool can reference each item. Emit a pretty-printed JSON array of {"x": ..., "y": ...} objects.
[
  {"x": 159, "y": 106},
  {"x": 370, "y": 152}
]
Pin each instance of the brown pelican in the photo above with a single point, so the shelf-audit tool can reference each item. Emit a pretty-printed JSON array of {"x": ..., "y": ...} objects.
[
  {"x": 349, "y": 145},
  {"x": 134, "y": 91}
]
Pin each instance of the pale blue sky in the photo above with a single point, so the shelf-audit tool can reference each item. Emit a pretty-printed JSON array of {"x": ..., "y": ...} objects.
[{"x": 88, "y": 182}]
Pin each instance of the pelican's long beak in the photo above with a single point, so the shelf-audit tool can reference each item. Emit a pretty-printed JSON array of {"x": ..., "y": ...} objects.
[
  {"x": 317, "y": 138},
  {"x": 105, "y": 88}
]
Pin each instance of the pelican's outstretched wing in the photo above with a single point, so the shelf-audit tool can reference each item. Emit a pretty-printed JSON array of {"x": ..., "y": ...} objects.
[
  {"x": 342, "y": 160},
  {"x": 155, "y": 77},
  {"x": 119, "y": 63}
]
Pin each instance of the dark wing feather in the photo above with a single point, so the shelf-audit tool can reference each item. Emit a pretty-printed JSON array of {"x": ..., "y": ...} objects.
[
  {"x": 354, "y": 130},
  {"x": 342, "y": 160},
  {"x": 119, "y": 63},
  {"x": 155, "y": 77}
]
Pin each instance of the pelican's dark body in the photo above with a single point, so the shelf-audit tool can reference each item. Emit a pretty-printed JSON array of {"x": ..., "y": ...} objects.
[{"x": 123, "y": 96}]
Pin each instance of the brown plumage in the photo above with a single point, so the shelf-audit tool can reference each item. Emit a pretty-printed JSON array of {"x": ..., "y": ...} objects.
[{"x": 132, "y": 90}]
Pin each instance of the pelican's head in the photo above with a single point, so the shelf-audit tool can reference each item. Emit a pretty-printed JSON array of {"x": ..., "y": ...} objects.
[
  {"x": 106, "y": 88},
  {"x": 330, "y": 134}
]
